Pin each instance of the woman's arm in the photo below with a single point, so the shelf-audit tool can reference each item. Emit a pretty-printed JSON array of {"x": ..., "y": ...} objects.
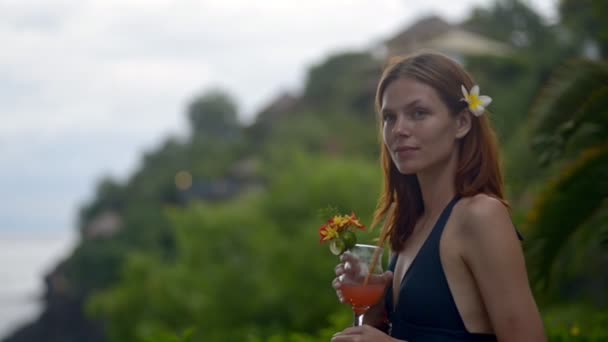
[{"x": 495, "y": 257}]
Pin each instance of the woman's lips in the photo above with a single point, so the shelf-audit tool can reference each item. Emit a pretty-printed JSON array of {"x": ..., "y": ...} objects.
[{"x": 406, "y": 151}]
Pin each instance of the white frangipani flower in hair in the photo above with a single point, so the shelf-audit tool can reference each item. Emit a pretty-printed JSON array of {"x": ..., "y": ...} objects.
[{"x": 477, "y": 103}]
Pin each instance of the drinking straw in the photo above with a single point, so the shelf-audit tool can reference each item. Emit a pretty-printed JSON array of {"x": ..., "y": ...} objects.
[{"x": 376, "y": 255}]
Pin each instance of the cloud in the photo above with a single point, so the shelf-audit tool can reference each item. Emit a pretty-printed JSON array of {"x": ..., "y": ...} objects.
[
  {"x": 44, "y": 183},
  {"x": 87, "y": 86}
]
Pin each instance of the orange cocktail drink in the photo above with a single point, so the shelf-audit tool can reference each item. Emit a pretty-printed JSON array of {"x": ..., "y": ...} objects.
[
  {"x": 361, "y": 297},
  {"x": 361, "y": 283}
]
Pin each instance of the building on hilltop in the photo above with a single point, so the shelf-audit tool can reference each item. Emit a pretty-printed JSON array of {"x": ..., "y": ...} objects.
[{"x": 435, "y": 34}]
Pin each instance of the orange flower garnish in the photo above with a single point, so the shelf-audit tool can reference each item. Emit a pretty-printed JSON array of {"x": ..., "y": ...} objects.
[
  {"x": 328, "y": 232},
  {"x": 338, "y": 228}
]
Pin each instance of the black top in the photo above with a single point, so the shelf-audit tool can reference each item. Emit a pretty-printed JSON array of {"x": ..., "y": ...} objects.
[{"x": 426, "y": 311}]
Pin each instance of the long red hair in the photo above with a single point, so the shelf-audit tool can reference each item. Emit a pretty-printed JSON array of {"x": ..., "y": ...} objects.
[{"x": 400, "y": 204}]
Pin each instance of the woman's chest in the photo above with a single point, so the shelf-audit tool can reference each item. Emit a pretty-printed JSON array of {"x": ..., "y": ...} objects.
[{"x": 424, "y": 259}]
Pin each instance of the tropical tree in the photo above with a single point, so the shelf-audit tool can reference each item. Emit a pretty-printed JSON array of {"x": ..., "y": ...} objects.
[
  {"x": 588, "y": 19},
  {"x": 567, "y": 244},
  {"x": 213, "y": 115},
  {"x": 247, "y": 269}
]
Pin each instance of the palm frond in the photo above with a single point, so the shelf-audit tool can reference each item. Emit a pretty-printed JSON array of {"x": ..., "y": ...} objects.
[
  {"x": 565, "y": 205},
  {"x": 566, "y": 91},
  {"x": 593, "y": 112}
]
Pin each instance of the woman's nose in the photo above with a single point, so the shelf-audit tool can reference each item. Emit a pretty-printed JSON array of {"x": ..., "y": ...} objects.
[{"x": 403, "y": 126}]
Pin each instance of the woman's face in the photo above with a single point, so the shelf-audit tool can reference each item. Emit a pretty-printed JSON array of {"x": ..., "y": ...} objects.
[{"x": 418, "y": 129}]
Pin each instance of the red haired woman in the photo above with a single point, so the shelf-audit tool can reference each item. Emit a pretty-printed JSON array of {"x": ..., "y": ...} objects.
[{"x": 457, "y": 271}]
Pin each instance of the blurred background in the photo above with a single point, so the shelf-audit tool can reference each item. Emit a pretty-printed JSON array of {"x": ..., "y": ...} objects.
[{"x": 163, "y": 162}]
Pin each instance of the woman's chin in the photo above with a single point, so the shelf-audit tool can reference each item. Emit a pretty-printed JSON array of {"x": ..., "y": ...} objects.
[{"x": 407, "y": 170}]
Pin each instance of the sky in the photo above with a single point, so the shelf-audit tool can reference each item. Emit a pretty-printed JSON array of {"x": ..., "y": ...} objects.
[{"x": 88, "y": 86}]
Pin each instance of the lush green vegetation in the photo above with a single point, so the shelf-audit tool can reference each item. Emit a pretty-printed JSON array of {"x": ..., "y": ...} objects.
[{"x": 228, "y": 250}]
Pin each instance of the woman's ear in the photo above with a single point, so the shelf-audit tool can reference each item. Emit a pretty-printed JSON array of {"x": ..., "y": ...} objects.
[{"x": 463, "y": 123}]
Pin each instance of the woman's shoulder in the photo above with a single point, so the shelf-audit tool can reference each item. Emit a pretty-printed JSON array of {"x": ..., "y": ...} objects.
[
  {"x": 482, "y": 204},
  {"x": 482, "y": 214}
]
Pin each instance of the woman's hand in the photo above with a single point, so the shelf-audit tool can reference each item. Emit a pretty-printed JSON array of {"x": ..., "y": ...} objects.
[
  {"x": 349, "y": 268},
  {"x": 364, "y": 333}
]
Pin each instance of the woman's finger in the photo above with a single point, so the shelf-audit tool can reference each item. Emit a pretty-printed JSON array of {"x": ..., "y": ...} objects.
[
  {"x": 339, "y": 269},
  {"x": 341, "y": 298},
  {"x": 348, "y": 257},
  {"x": 355, "y": 330},
  {"x": 350, "y": 262}
]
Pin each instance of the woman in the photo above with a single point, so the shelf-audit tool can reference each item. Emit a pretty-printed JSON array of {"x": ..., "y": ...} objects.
[{"x": 459, "y": 270}]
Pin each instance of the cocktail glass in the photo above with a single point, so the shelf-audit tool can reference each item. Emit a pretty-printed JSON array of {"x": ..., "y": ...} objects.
[{"x": 360, "y": 287}]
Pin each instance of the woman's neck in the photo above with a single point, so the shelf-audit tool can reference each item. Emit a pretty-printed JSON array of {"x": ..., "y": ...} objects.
[{"x": 437, "y": 185}]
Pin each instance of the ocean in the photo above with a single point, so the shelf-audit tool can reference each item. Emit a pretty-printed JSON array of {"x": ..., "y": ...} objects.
[{"x": 24, "y": 259}]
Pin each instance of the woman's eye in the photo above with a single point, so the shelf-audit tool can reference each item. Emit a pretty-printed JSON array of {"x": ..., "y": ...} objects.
[
  {"x": 388, "y": 117},
  {"x": 418, "y": 114}
]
